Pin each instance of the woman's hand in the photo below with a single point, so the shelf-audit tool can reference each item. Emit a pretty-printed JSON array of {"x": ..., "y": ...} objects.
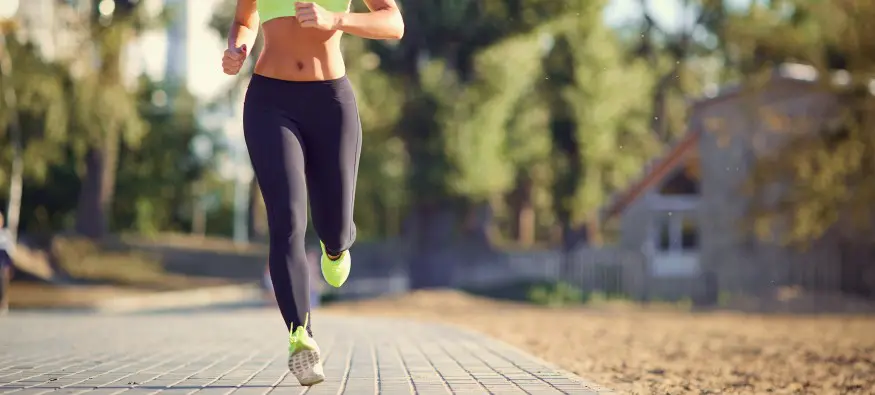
[
  {"x": 312, "y": 15},
  {"x": 233, "y": 60}
]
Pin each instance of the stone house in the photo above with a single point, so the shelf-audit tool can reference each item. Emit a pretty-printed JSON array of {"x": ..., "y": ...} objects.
[{"x": 684, "y": 212}]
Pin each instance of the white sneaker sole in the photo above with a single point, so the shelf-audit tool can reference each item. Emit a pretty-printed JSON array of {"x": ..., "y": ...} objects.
[{"x": 307, "y": 367}]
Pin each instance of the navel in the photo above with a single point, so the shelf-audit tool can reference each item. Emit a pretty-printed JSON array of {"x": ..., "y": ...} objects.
[{"x": 300, "y": 66}]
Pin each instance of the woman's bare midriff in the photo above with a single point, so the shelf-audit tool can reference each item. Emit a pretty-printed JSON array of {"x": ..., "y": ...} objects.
[{"x": 294, "y": 53}]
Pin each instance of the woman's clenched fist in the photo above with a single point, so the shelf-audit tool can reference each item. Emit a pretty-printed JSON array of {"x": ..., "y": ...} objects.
[{"x": 233, "y": 60}]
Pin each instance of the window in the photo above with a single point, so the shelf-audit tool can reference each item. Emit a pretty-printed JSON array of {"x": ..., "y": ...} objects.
[
  {"x": 675, "y": 239},
  {"x": 663, "y": 232},
  {"x": 675, "y": 231},
  {"x": 689, "y": 233}
]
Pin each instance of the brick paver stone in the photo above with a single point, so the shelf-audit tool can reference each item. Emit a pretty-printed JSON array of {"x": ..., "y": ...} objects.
[{"x": 244, "y": 352}]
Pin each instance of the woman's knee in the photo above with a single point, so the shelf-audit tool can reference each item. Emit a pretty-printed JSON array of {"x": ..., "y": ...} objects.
[
  {"x": 287, "y": 229},
  {"x": 338, "y": 239}
]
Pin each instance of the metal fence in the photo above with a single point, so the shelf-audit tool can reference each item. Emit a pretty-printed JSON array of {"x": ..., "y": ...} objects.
[{"x": 606, "y": 270}]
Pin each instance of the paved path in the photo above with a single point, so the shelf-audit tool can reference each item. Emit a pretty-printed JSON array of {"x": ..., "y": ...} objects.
[{"x": 243, "y": 352}]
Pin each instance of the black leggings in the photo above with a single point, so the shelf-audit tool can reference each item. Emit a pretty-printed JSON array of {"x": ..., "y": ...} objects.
[{"x": 303, "y": 138}]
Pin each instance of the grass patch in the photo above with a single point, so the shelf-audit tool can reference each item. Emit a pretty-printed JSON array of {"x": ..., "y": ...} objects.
[
  {"x": 84, "y": 260},
  {"x": 193, "y": 242},
  {"x": 544, "y": 293},
  {"x": 557, "y": 294},
  {"x": 516, "y": 291},
  {"x": 30, "y": 295}
]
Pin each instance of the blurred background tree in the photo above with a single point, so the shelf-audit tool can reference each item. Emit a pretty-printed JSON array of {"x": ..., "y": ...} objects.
[
  {"x": 492, "y": 124},
  {"x": 491, "y": 120},
  {"x": 104, "y": 110},
  {"x": 830, "y": 173},
  {"x": 38, "y": 91}
]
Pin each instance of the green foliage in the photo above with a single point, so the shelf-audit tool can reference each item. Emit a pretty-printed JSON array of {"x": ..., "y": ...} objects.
[
  {"x": 100, "y": 110},
  {"x": 42, "y": 111},
  {"x": 222, "y": 18},
  {"x": 475, "y": 127},
  {"x": 555, "y": 295},
  {"x": 547, "y": 293},
  {"x": 383, "y": 159},
  {"x": 469, "y": 122},
  {"x": 162, "y": 160},
  {"x": 82, "y": 259},
  {"x": 70, "y": 110},
  {"x": 596, "y": 105},
  {"x": 610, "y": 104},
  {"x": 825, "y": 171},
  {"x": 101, "y": 105},
  {"x": 482, "y": 102}
]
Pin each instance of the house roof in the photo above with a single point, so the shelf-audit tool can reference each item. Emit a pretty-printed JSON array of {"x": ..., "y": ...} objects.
[
  {"x": 662, "y": 167},
  {"x": 654, "y": 173}
]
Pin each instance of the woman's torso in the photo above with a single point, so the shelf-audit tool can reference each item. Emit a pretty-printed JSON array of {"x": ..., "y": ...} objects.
[{"x": 294, "y": 53}]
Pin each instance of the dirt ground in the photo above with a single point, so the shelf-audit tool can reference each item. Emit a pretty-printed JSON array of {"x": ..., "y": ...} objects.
[
  {"x": 635, "y": 350},
  {"x": 37, "y": 296}
]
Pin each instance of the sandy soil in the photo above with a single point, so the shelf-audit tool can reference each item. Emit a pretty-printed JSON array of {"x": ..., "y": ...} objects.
[
  {"x": 646, "y": 351},
  {"x": 35, "y": 295},
  {"x": 30, "y": 295}
]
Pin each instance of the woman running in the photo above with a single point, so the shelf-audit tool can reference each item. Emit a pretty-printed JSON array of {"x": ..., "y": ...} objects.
[{"x": 302, "y": 130}]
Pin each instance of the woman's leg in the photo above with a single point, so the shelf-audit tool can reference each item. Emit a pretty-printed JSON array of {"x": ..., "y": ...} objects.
[
  {"x": 277, "y": 155},
  {"x": 333, "y": 137}
]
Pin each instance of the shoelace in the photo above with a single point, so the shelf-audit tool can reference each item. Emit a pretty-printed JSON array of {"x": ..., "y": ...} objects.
[{"x": 293, "y": 338}]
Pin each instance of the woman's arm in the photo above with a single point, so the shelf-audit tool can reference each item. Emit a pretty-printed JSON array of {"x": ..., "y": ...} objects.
[
  {"x": 244, "y": 27},
  {"x": 384, "y": 22}
]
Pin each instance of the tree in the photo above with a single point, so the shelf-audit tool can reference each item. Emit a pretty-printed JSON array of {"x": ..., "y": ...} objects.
[
  {"x": 437, "y": 61},
  {"x": 105, "y": 112},
  {"x": 161, "y": 160},
  {"x": 610, "y": 113},
  {"x": 674, "y": 53},
  {"x": 380, "y": 202},
  {"x": 827, "y": 175},
  {"x": 485, "y": 103},
  {"x": 38, "y": 111},
  {"x": 220, "y": 23},
  {"x": 493, "y": 141}
]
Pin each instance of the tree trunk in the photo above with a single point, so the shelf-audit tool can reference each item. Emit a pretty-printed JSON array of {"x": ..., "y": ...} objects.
[
  {"x": 101, "y": 159},
  {"x": 16, "y": 180},
  {"x": 16, "y": 185},
  {"x": 525, "y": 213},
  {"x": 594, "y": 234},
  {"x": 478, "y": 226},
  {"x": 573, "y": 238},
  {"x": 199, "y": 220},
  {"x": 660, "y": 124},
  {"x": 432, "y": 263},
  {"x": 526, "y": 226},
  {"x": 98, "y": 187},
  {"x": 199, "y": 211}
]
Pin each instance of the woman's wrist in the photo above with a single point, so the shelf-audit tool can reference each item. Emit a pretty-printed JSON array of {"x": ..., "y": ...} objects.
[
  {"x": 376, "y": 25},
  {"x": 339, "y": 20}
]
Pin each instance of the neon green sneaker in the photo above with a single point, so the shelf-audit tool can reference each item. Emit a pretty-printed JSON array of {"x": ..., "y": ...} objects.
[
  {"x": 335, "y": 271},
  {"x": 304, "y": 358}
]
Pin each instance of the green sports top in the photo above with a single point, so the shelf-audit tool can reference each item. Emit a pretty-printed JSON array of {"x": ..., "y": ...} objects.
[{"x": 271, "y": 9}]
